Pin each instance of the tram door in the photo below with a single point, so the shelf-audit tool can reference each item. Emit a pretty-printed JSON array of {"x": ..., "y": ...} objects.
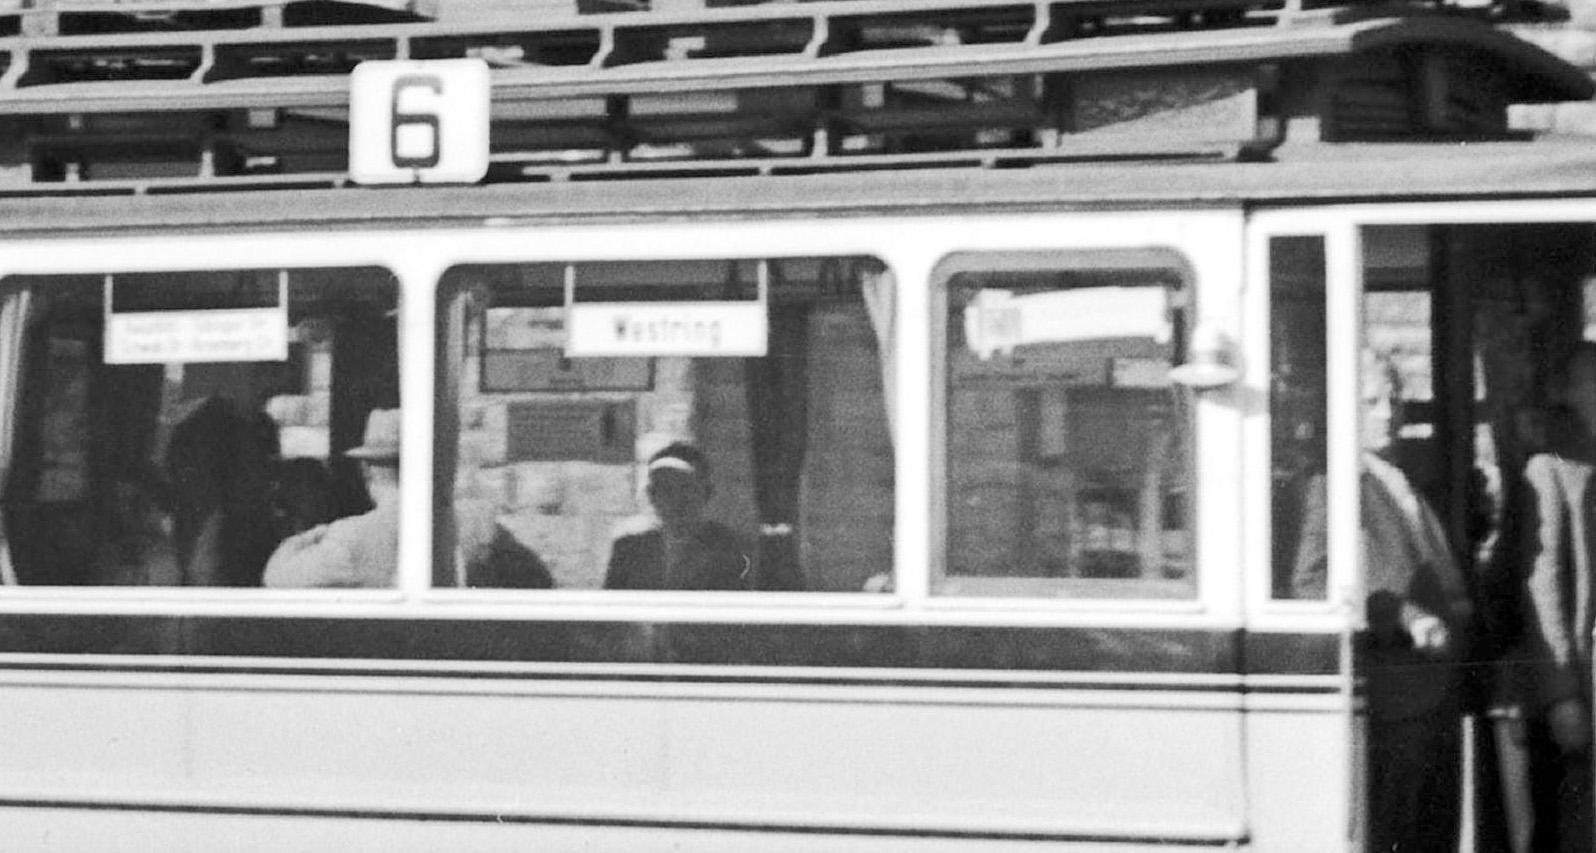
[
  {"x": 1477, "y": 322},
  {"x": 1299, "y": 352},
  {"x": 1412, "y": 374}
]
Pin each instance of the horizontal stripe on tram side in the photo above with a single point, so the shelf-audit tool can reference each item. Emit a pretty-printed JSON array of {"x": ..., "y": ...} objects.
[
  {"x": 1214, "y": 836},
  {"x": 806, "y": 651}
]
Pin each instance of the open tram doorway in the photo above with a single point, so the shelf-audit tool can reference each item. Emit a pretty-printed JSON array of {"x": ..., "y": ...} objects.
[
  {"x": 1479, "y": 325},
  {"x": 1458, "y": 344}
]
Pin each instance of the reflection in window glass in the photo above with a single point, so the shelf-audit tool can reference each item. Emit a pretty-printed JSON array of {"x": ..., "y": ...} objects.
[
  {"x": 1297, "y": 415},
  {"x": 182, "y": 429},
  {"x": 1067, "y": 446},
  {"x": 703, "y": 425}
]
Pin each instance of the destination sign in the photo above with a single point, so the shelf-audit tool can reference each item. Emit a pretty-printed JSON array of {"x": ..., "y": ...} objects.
[
  {"x": 666, "y": 328},
  {"x": 212, "y": 335}
]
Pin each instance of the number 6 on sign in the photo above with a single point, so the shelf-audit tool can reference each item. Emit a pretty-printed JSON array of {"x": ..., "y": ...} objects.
[
  {"x": 415, "y": 131},
  {"x": 423, "y": 122}
]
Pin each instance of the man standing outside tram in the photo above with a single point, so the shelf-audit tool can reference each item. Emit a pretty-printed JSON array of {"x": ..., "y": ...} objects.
[{"x": 1561, "y": 574}]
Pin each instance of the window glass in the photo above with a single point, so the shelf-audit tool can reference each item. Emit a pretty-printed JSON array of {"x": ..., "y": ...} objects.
[
  {"x": 1297, "y": 415},
  {"x": 685, "y": 425},
  {"x": 197, "y": 428},
  {"x": 1067, "y": 446}
]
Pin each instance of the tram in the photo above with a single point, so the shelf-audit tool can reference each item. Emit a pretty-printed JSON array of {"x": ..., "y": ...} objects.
[{"x": 1004, "y": 332}]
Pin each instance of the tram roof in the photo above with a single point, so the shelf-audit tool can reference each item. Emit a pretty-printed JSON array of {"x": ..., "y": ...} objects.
[
  {"x": 779, "y": 90},
  {"x": 1541, "y": 77},
  {"x": 1316, "y": 174},
  {"x": 1537, "y": 76}
]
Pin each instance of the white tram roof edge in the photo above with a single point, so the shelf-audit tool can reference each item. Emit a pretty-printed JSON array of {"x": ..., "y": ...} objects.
[{"x": 1298, "y": 175}]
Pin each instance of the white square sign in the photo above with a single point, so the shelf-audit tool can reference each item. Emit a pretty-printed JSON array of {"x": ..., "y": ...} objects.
[{"x": 419, "y": 121}]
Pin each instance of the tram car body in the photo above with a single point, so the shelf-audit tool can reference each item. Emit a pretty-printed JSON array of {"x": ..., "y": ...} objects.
[{"x": 1007, "y": 330}]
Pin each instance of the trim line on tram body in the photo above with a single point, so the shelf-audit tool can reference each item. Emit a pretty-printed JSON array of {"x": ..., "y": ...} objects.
[
  {"x": 338, "y": 645},
  {"x": 1213, "y": 838}
]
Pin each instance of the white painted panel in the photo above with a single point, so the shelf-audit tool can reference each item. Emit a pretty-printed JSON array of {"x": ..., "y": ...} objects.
[
  {"x": 1299, "y": 780},
  {"x": 1119, "y": 769},
  {"x": 851, "y": 758},
  {"x": 92, "y": 739}
]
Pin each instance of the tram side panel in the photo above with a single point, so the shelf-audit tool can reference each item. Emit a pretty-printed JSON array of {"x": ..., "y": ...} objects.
[
  {"x": 864, "y": 763},
  {"x": 1070, "y": 475},
  {"x": 1301, "y": 788}
]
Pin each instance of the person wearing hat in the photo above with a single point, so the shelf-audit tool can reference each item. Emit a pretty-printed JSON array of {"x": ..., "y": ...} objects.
[
  {"x": 360, "y": 551},
  {"x": 678, "y": 548}
]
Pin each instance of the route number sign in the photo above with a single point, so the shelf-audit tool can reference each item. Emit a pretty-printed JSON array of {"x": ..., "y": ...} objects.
[{"x": 419, "y": 121}]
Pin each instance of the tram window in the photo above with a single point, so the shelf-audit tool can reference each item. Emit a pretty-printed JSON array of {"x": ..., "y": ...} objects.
[
  {"x": 172, "y": 429},
  {"x": 679, "y": 459},
  {"x": 1066, "y": 445},
  {"x": 1297, "y": 412}
]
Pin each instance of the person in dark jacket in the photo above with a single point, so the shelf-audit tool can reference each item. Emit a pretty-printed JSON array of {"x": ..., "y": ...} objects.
[
  {"x": 678, "y": 548},
  {"x": 503, "y": 562},
  {"x": 1417, "y": 609},
  {"x": 1562, "y": 612},
  {"x": 219, "y": 460}
]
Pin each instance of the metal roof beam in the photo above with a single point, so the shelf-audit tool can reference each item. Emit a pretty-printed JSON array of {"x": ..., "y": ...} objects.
[{"x": 1544, "y": 77}]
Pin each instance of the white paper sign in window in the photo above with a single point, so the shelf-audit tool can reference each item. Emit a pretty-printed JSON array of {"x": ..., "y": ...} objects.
[
  {"x": 212, "y": 334},
  {"x": 666, "y": 328},
  {"x": 997, "y": 321},
  {"x": 701, "y": 328}
]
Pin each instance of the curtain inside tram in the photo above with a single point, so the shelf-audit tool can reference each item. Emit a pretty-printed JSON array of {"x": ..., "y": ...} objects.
[
  {"x": 777, "y": 386},
  {"x": 880, "y": 292}
]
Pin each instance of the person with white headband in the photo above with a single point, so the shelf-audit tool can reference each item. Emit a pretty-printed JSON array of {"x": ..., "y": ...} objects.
[{"x": 678, "y": 548}]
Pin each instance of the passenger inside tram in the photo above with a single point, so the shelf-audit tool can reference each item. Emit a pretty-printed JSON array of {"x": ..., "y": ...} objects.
[
  {"x": 1418, "y": 613},
  {"x": 219, "y": 461},
  {"x": 1560, "y": 573},
  {"x": 678, "y": 547},
  {"x": 360, "y": 551},
  {"x": 302, "y": 496},
  {"x": 138, "y": 549}
]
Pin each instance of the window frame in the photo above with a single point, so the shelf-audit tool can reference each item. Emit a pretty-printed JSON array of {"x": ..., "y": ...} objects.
[
  {"x": 1183, "y": 303},
  {"x": 910, "y": 245},
  {"x": 452, "y": 295},
  {"x": 102, "y": 277}
]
